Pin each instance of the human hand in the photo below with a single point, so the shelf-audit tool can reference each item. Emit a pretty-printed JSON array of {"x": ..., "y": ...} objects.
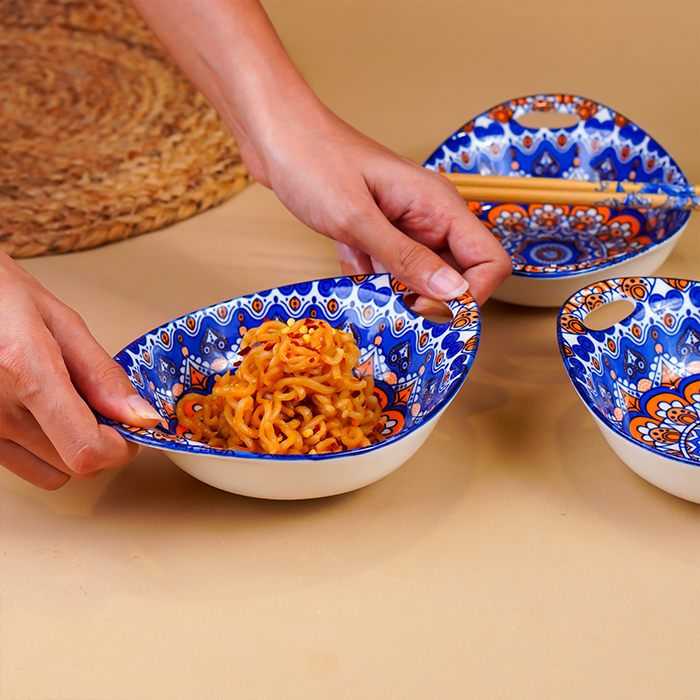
[
  {"x": 51, "y": 372},
  {"x": 384, "y": 212}
]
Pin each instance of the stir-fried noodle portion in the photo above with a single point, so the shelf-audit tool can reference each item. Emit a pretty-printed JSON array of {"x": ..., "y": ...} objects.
[{"x": 294, "y": 392}]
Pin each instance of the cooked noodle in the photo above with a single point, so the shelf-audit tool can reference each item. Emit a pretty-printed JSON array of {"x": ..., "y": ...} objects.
[{"x": 294, "y": 392}]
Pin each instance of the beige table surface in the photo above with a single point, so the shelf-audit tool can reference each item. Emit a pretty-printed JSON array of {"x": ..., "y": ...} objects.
[{"x": 513, "y": 557}]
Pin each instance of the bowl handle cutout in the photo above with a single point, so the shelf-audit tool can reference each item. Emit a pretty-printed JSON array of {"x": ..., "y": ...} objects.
[
  {"x": 552, "y": 112},
  {"x": 435, "y": 311},
  {"x": 548, "y": 120},
  {"x": 608, "y": 315}
]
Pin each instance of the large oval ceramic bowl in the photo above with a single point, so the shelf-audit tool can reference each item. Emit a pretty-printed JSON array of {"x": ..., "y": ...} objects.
[
  {"x": 558, "y": 249},
  {"x": 640, "y": 378},
  {"x": 418, "y": 367}
]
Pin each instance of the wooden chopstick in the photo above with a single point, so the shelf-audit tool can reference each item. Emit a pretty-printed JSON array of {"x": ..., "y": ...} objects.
[{"x": 545, "y": 190}]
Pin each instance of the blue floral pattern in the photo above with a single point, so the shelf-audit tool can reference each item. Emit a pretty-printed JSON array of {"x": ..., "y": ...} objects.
[
  {"x": 546, "y": 240},
  {"x": 418, "y": 365},
  {"x": 641, "y": 377}
]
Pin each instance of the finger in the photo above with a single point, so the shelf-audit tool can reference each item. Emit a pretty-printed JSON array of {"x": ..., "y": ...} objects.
[
  {"x": 31, "y": 468},
  {"x": 431, "y": 308},
  {"x": 377, "y": 266},
  {"x": 484, "y": 261},
  {"x": 439, "y": 218},
  {"x": 353, "y": 261},
  {"x": 21, "y": 428},
  {"x": 485, "y": 277},
  {"x": 483, "y": 280},
  {"x": 416, "y": 266},
  {"x": 41, "y": 383},
  {"x": 99, "y": 379}
]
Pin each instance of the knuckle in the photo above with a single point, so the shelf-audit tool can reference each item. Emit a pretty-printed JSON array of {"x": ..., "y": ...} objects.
[
  {"x": 107, "y": 371},
  {"x": 13, "y": 359},
  {"x": 87, "y": 458},
  {"x": 345, "y": 224},
  {"x": 60, "y": 315},
  {"x": 52, "y": 481},
  {"x": 97, "y": 452},
  {"x": 408, "y": 261},
  {"x": 25, "y": 373}
]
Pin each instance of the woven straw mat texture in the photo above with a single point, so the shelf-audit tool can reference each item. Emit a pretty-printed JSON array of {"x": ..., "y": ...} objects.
[{"x": 101, "y": 136}]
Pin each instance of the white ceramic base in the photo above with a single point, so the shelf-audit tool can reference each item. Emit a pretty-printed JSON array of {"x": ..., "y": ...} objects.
[
  {"x": 302, "y": 479},
  {"x": 554, "y": 291},
  {"x": 670, "y": 475}
]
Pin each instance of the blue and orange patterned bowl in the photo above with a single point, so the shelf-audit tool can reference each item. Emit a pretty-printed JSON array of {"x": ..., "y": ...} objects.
[
  {"x": 559, "y": 249},
  {"x": 640, "y": 378},
  {"x": 418, "y": 367}
]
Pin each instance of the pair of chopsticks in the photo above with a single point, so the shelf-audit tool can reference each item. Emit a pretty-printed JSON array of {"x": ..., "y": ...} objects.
[{"x": 549, "y": 190}]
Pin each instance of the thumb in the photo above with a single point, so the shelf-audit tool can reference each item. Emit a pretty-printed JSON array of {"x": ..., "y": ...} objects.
[{"x": 101, "y": 381}]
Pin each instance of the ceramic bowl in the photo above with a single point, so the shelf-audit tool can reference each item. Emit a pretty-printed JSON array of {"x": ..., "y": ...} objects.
[
  {"x": 559, "y": 249},
  {"x": 640, "y": 378},
  {"x": 418, "y": 368}
]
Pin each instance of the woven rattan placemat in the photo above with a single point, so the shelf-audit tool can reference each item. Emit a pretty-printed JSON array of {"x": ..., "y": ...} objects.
[{"x": 101, "y": 136}]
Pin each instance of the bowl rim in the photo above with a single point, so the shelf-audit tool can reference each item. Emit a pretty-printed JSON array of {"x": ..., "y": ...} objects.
[
  {"x": 564, "y": 271},
  {"x": 585, "y": 397},
  {"x": 194, "y": 448}
]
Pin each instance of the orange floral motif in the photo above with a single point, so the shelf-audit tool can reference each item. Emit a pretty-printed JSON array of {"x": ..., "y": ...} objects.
[
  {"x": 594, "y": 301},
  {"x": 398, "y": 287},
  {"x": 677, "y": 284},
  {"x": 644, "y": 384},
  {"x": 475, "y": 207},
  {"x": 542, "y": 106},
  {"x": 586, "y": 109},
  {"x": 503, "y": 113},
  {"x": 395, "y": 421},
  {"x": 465, "y": 318},
  {"x": 471, "y": 344},
  {"x": 572, "y": 324},
  {"x": 586, "y": 218},
  {"x": 670, "y": 420},
  {"x": 635, "y": 288},
  {"x": 512, "y": 215}
]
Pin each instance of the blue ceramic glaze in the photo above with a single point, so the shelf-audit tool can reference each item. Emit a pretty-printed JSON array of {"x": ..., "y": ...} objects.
[
  {"x": 418, "y": 365},
  {"x": 554, "y": 241},
  {"x": 641, "y": 377}
]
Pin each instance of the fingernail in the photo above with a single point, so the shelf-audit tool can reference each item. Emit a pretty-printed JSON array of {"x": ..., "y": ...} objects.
[
  {"x": 447, "y": 283},
  {"x": 142, "y": 408}
]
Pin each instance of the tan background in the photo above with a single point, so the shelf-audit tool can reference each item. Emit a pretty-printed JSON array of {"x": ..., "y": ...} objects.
[{"x": 513, "y": 557}]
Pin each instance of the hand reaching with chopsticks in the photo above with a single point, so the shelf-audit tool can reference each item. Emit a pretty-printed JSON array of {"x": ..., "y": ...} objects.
[{"x": 383, "y": 211}]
